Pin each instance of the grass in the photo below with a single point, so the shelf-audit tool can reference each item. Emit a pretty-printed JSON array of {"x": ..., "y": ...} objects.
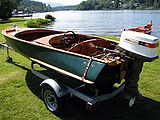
[
  {"x": 9, "y": 23},
  {"x": 12, "y": 20},
  {"x": 20, "y": 97},
  {"x": 111, "y": 37}
]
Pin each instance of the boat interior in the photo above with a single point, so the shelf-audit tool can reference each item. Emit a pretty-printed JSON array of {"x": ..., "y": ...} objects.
[{"x": 69, "y": 41}]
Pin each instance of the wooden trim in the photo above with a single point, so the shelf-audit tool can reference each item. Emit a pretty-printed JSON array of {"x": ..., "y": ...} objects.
[{"x": 61, "y": 71}]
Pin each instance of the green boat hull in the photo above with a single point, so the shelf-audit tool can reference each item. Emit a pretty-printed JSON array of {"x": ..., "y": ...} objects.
[
  {"x": 37, "y": 45},
  {"x": 61, "y": 59}
]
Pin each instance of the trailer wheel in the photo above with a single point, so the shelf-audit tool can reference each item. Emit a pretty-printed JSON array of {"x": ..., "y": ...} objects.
[{"x": 51, "y": 101}]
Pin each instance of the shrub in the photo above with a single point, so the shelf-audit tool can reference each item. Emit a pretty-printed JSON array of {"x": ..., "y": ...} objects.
[
  {"x": 50, "y": 17},
  {"x": 32, "y": 24},
  {"x": 43, "y": 21},
  {"x": 36, "y": 23}
]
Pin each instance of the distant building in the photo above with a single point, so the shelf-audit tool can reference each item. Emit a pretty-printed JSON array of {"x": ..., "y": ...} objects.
[{"x": 16, "y": 13}]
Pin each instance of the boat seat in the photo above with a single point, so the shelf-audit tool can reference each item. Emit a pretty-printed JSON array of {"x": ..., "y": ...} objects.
[
  {"x": 88, "y": 47},
  {"x": 44, "y": 40},
  {"x": 56, "y": 40},
  {"x": 51, "y": 40}
]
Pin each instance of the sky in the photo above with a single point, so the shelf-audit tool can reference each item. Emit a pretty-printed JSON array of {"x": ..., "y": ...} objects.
[{"x": 64, "y": 2}]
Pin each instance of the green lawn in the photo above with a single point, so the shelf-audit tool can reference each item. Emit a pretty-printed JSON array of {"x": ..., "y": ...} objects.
[
  {"x": 20, "y": 97},
  {"x": 10, "y": 23}
]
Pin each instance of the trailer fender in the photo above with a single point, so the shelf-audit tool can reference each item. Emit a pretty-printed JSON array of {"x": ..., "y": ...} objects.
[{"x": 54, "y": 85}]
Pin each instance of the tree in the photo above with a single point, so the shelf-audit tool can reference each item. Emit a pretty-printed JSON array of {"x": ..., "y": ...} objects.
[
  {"x": 6, "y": 8},
  {"x": 156, "y": 5},
  {"x": 116, "y": 6}
]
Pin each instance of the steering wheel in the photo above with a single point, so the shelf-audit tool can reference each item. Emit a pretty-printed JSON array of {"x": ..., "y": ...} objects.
[{"x": 68, "y": 40}]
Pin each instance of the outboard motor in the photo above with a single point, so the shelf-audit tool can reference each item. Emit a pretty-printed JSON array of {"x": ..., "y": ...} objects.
[{"x": 139, "y": 48}]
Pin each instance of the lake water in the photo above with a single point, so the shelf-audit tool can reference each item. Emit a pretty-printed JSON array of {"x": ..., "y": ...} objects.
[{"x": 111, "y": 22}]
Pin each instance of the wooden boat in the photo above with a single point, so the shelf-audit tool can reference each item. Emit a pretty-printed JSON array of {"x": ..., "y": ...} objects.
[
  {"x": 147, "y": 29},
  {"x": 89, "y": 59}
]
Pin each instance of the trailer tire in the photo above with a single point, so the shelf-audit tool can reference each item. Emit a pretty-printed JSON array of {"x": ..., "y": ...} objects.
[{"x": 51, "y": 100}]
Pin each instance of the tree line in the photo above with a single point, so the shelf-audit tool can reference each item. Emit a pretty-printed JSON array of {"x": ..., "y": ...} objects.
[
  {"x": 27, "y": 6},
  {"x": 33, "y": 6},
  {"x": 118, "y": 4}
]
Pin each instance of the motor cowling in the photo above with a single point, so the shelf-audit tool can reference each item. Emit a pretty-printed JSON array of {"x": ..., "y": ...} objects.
[{"x": 139, "y": 46}]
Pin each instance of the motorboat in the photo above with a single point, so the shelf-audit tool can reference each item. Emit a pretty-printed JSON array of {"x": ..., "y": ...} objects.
[
  {"x": 77, "y": 55},
  {"x": 88, "y": 58},
  {"x": 147, "y": 29}
]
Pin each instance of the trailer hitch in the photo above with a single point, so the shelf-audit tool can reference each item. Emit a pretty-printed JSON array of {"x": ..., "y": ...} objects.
[{"x": 5, "y": 45}]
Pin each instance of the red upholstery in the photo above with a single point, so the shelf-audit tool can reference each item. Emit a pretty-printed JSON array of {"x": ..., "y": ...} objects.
[{"x": 88, "y": 47}]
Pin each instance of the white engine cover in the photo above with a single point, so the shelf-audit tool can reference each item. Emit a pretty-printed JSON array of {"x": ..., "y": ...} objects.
[{"x": 139, "y": 43}]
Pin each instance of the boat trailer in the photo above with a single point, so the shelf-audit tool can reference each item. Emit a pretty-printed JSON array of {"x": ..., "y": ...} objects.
[
  {"x": 5, "y": 45},
  {"x": 51, "y": 89}
]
